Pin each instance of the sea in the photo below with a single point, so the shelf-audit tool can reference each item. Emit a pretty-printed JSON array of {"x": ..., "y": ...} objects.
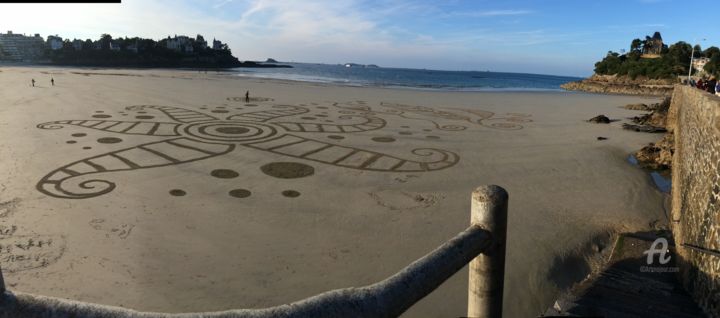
[{"x": 360, "y": 75}]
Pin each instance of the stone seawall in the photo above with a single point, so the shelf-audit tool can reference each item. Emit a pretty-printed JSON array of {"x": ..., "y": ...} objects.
[{"x": 694, "y": 117}]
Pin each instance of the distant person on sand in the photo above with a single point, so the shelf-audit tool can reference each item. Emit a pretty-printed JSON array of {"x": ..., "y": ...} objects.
[
  {"x": 52, "y": 81},
  {"x": 247, "y": 96},
  {"x": 33, "y": 82}
]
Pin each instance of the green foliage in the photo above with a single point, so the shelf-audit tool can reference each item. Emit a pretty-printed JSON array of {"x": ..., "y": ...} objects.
[
  {"x": 141, "y": 52},
  {"x": 674, "y": 61},
  {"x": 713, "y": 66}
]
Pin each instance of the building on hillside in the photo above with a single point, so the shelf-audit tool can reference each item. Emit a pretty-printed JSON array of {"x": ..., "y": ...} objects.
[
  {"x": 653, "y": 46},
  {"x": 54, "y": 42},
  {"x": 18, "y": 47},
  {"x": 114, "y": 46},
  {"x": 180, "y": 44},
  {"x": 699, "y": 64},
  {"x": 77, "y": 45},
  {"x": 217, "y": 45},
  {"x": 133, "y": 47},
  {"x": 200, "y": 42}
]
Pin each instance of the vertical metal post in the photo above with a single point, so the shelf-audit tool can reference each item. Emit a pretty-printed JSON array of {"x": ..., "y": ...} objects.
[
  {"x": 487, "y": 271},
  {"x": 2, "y": 283}
]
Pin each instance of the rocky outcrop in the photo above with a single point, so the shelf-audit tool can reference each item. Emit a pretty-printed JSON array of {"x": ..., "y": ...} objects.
[
  {"x": 657, "y": 156},
  {"x": 600, "y": 119},
  {"x": 612, "y": 84}
]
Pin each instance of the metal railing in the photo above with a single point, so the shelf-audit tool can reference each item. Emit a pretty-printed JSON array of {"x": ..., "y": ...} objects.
[{"x": 482, "y": 245}]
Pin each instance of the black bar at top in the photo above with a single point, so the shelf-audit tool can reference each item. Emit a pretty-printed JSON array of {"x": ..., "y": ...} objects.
[{"x": 59, "y": 1}]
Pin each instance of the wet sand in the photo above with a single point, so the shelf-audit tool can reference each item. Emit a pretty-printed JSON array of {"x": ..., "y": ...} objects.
[{"x": 165, "y": 191}]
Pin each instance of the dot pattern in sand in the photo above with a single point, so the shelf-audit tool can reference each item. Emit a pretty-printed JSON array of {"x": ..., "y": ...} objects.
[
  {"x": 239, "y": 193},
  {"x": 101, "y": 116},
  {"x": 383, "y": 139},
  {"x": 79, "y": 135},
  {"x": 177, "y": 192},
  {"x": 291, "y": 193},
  {"x": 109, "y": 140},
  {"x": 224, "y": 173},
  {"x": 287, "y": 170}
]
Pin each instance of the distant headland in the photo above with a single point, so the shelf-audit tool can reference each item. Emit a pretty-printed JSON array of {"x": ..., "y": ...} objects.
[
  {"x": 177, "y": 51},
  {"x": 650, "y": 67}
]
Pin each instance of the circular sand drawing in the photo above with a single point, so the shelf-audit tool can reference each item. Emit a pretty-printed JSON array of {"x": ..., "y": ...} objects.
[
  {"x": 177, "y": 192},
  {"x": 287, "y": 170},
  {"x": 291, "y": 193},
  {"x": 109, "y": 140},
  {"x": 79, "y": 135},
  {"x": 230, "y": 131},
  {"x": 224, "y": 173},
  {"x": 191, "y": 136},
  {"x": 239, "y": 193},
  {"x": 383, "y": 139}
]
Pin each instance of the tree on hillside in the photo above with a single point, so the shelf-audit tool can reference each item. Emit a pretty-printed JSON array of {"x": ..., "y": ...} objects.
[{"x": 636, "y": 45}]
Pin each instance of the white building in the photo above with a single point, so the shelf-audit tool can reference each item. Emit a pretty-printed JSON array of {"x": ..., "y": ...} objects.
[
  {"x": 180, "y": 43},
  {"x": 699, "y": 63},
  {"x": 54, "y": 42},
  {"x": 77, "y": 45},
  {"x": 217, "y": 45},
  {"x": 114, "y": 46}
]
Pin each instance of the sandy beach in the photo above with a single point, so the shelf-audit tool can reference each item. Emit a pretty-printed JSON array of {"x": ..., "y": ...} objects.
[{"x": 164, "y": 190}]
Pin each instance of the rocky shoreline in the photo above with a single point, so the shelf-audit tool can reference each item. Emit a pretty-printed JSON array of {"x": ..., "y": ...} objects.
[
  {"x": 612, "y": 84},
  {"x": 657, "y": 155}
]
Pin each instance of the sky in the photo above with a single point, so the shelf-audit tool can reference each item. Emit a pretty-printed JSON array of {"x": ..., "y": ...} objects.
[{"x": 559, "y": 37}]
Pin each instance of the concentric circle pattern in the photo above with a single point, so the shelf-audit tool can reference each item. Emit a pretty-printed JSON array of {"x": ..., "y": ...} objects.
[{"x": 230, "y": 131}]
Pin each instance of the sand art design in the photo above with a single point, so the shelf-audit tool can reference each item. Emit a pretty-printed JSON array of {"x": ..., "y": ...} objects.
[
  {"x": 479, "y": 117},
  {"x": 193, "y": 136}
]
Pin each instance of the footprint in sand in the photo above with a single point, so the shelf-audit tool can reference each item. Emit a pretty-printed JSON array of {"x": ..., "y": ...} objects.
[
  {"x": 120, "y": 230},
  {"x": 24, "y": 252},
  {"x": 402, "y": 200}
]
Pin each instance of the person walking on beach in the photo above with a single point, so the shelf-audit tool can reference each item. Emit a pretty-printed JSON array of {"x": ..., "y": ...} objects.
[
  {"x": 33, "y": 82},
  {"x": 52, "y": 81},
  {"x": 247, "y": 96}
]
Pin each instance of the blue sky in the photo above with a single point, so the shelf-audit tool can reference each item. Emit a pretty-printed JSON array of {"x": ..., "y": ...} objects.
[{"x": 562, "y": 37}]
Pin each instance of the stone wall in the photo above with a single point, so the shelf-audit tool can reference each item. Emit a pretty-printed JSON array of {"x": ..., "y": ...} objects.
[{"x": 694, "y": 117}]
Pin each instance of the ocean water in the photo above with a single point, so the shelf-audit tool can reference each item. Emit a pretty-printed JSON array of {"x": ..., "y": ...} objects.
[{"x": 409, "y": 78}]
